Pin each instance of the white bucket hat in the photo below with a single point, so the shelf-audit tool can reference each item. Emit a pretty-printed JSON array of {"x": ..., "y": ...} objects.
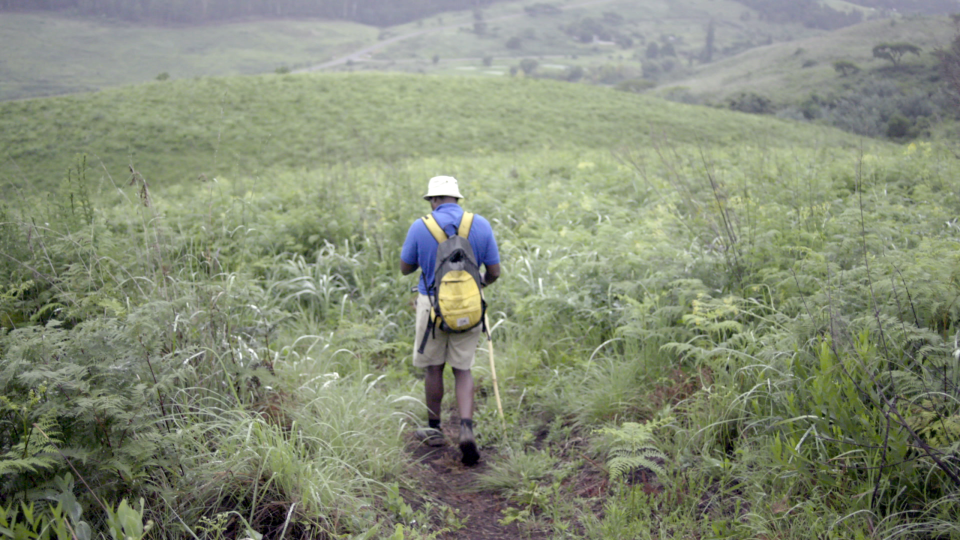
[{"x": 443, "y": 186}]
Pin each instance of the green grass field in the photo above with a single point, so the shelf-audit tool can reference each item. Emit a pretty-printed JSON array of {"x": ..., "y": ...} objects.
[
  {"x": 709, "y": 324},
  {"x": 250, "y": 125}
]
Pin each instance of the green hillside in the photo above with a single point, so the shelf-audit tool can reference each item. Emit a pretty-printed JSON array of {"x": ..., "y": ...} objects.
[
  {"x": 51, "y": 54},
  {"x": 177, "y": 130}
]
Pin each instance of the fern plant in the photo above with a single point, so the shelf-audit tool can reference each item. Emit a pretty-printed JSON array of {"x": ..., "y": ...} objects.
[
  {"x": 38, "y": 432},
  {"x": 632, "y": 446}
]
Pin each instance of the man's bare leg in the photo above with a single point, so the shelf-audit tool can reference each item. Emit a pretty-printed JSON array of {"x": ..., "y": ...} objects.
[
  {"x": 464, "y": 390},
  {"x": 433, "y": 382}
]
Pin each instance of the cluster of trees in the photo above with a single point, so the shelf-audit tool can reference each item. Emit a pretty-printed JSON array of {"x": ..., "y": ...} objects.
[
  {"x": 587, "y": 29},
  {"x": 375, "y": 12},
  {"x": 808, "y": 12}
]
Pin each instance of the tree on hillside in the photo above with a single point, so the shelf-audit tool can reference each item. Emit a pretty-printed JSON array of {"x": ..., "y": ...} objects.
[
  {"x": 894, "y": 51},
  {"x": 950, "y": 61},
  {"x": 845, "y": 67},
  {"x": 707, "y": 55},
  {"x": 653, "y": 50}
]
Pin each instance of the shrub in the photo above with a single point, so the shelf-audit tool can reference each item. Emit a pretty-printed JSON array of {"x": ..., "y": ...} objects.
[
  {"x": 514, "y": 43},
  {"x": 163, "y": 76},
  {"x": 636, "y": 86},
  {"x": 574, "y": 74},
  {"x": 651, "y": 69},
  {"x": 845, "y": 67},
  {"x": 751, "y": 102},
  {"x": 653, "y": 50},
  {"x": 898, "y": 127},
  {"x": 529, "y": 65}
]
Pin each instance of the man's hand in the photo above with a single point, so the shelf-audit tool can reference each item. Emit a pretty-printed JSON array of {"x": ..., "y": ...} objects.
[{"x": 491, "y": 275}]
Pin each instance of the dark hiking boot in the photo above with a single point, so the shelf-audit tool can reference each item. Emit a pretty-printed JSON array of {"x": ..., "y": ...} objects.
[
  {"x": 430, "y": 436},
  {"x": 468, "y": 447}
]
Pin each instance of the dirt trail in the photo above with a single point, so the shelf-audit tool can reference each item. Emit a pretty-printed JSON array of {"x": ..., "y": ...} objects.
[
  {"x": 359, "y": 54},
  {"x": 447, "y": 481}
]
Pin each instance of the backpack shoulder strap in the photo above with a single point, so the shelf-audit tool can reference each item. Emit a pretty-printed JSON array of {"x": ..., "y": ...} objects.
[
  {"x": 434, "y": 228},
  {"x": 465, "y": 223}
]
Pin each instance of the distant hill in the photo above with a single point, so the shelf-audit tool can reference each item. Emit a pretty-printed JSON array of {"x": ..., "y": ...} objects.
[
  {"x": 788, "y": 71},
  {"x": 57, "y": 52},
  {"x": 176, "y": 131},
  {"x": 800, "y": 80},
  {"x": 49, "y": 54}
]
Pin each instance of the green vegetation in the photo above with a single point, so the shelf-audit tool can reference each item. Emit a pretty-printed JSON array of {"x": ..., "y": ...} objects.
[
  {"x": 845, "y": 67},
  {"x": 246, "y": 126},
  {"x": 857, "y": 79},
  {"x": 710, "y": 324}
]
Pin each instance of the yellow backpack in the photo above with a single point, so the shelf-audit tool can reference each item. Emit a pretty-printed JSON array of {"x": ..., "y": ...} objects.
[{"x": 456, "y": 296}]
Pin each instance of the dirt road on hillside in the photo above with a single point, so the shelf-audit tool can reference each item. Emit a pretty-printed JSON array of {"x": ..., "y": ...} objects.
[{"x": 359, "y": 54}]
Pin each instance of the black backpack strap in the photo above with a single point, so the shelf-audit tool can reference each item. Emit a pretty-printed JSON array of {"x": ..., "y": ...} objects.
[{"x": 423, "y": 342}]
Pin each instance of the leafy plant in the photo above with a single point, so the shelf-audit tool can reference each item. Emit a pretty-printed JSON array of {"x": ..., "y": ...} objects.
[{"x": 631, "y": 446}]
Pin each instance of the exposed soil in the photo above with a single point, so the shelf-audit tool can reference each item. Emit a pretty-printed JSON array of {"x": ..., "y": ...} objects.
[{"x": 447, "y": 482}]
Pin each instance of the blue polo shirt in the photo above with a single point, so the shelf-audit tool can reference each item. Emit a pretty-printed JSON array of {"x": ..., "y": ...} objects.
[{"x": 420, "y": 247}]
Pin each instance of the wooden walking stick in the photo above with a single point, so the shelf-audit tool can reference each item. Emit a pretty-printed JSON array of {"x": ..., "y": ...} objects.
[{"x": 493, "y": 371}]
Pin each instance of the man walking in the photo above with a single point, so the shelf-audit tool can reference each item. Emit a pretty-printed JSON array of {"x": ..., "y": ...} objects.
[{"x": 457, "y": 349}]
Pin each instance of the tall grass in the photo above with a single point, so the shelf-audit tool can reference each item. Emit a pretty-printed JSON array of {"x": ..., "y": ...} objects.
[{"x": 221, "y": 349}]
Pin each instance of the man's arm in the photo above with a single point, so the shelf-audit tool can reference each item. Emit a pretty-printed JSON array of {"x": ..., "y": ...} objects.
[
  {"x": 491, "y": 275},
  {"x": 406, "y": 268}
]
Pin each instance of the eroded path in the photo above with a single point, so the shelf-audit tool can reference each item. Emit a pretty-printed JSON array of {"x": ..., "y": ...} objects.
[{"x": 446, "y": 482}]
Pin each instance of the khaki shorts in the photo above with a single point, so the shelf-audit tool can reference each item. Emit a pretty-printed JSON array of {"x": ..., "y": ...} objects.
[{"x": 455, "y": 349}]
